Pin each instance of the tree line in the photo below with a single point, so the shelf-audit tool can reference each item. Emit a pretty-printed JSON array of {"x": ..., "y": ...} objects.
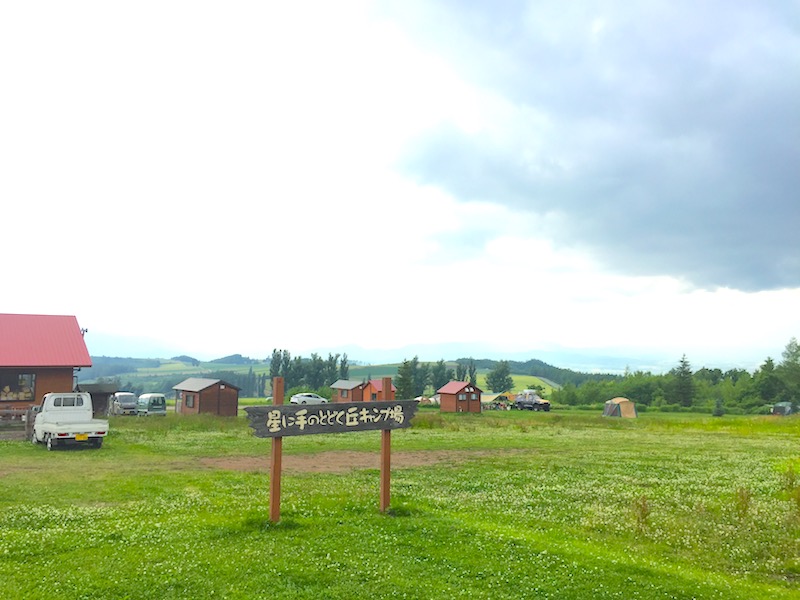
[
  {"x": 735, "y": 391},
  {"x": 414, "y": 377},
  {"x": 315, "y": 373}
]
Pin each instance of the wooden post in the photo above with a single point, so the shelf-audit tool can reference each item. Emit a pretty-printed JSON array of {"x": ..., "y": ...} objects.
[
  {"x": 386, "y": 452},
  {"x": 275, "y": 462}
]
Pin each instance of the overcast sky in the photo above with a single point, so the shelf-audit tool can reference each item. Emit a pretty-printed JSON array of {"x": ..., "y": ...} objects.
[{"x": 504, "y": 178}]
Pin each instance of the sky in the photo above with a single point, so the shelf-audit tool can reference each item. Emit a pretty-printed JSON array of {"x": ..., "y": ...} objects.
[{"x": 600, "y": 185}]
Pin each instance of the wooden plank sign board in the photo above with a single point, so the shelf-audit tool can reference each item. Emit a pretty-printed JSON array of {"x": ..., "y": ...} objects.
[{"x": 339, "y": 417}]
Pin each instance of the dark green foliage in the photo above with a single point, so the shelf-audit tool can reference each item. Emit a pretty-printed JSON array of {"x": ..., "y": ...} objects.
[
  {"x": 682, "y": 388},
  {"x": 439, "y": 374},
  {"x": 538, "y": 368},
  {"x": 412, "y": 378},
  {"x": 719, "y": 410},
  {"x": 789, "y": 372},
  {"x": 234, "y": 359},
  {"x": 472, "y": 372},
  {"x": 461, "y": 372},
  {"x": 186, "y": 359},
  {"x": 499, "y": 379},
  {"x": 405, "y": 380},
  {"x": 108, "y": 366}
]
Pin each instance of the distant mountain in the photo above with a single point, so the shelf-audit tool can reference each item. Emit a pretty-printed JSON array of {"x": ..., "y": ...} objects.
[
  {"x": 538, "y": 368},
  {"x": 234, "y": 359},
  {"x": 186, "y": 359},
  {"x": 109, "y": 366}
]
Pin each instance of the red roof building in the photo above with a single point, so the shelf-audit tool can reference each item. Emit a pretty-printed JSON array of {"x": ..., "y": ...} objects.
[
  {"x": 38, "y": 354},
  {"x": 459, "y": 396},
  {"x": 374, "y": 391}
]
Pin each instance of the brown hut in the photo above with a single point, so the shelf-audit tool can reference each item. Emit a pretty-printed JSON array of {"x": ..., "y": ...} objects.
[
  {"x": 459, "y": 396},
  {"x": 208, "y": 396}
]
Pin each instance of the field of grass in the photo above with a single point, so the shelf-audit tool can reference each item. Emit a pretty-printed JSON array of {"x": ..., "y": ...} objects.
[{"x": 500, "y": 505}]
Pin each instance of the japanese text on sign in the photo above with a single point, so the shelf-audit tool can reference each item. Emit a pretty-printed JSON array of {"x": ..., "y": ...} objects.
[{"x": 279, "y": 421}]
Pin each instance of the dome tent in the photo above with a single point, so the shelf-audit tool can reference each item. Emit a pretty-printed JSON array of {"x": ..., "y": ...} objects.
[
  {"x": 782, "y": 408},
  {"x": 620, "y": 407}
]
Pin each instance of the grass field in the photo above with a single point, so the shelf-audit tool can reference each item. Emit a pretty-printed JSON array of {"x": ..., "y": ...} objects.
[{"x": 500, "y": 505}]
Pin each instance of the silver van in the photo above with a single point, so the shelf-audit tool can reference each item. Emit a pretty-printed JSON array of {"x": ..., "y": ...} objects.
[
  {"x": 151, "y": 404},
  {"x": 122, "y": 403}
]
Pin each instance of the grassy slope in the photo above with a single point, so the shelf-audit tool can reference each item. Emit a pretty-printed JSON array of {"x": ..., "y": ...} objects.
[{"x": 559, "y": 505}]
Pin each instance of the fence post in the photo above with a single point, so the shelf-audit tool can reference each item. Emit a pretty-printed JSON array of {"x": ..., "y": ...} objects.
[{"x": 276, "y": 459}]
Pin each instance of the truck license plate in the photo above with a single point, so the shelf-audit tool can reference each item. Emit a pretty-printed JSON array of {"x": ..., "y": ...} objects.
[{"x": 81, "y": 437}]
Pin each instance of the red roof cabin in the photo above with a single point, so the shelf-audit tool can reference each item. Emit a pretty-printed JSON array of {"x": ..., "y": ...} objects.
[
  {"x": 373, "y": 390},
  {"x": 459, "y": 396},
  {"x": 348, "y": 390},
  {"x": 209, "y": 396},
  {"x": 38, "y": 354}
]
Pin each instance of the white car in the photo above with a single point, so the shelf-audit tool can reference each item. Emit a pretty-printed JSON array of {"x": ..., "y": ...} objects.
[{"x": 307, "y": 398}]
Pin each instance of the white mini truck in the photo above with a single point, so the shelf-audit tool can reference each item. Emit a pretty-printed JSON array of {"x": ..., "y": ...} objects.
[{"x": 66, "y": 419}]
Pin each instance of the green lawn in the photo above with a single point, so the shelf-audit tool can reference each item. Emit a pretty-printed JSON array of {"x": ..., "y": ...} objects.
[{"x": 510, "y": 505}]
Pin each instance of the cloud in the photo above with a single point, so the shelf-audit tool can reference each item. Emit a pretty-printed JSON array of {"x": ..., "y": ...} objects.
[{"x": 662, "y": 135}]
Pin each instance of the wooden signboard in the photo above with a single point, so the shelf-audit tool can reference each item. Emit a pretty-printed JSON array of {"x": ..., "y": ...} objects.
[
  {"x": 279, "y": 421},
  {"x": 339, "y": 417}
]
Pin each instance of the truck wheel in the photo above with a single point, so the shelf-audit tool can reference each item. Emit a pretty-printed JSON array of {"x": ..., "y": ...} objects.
[
  {"x": 97, "y": 443},
  {"x": 51, "y": 443}
]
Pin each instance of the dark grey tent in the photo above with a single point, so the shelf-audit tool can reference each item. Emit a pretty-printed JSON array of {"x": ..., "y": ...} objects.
[{"x": 782, "y": 408}]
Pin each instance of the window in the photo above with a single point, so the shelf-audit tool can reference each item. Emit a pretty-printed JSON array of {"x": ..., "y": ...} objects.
[
  {"x": 189, "y": 400},
  {"x": 474, "y": 396},
  {"x": 16, "y": 386},
  {"x": 373, "y": 396},
  {"x": 343, "y": 393},
  {"x": 462, "y": 396}
]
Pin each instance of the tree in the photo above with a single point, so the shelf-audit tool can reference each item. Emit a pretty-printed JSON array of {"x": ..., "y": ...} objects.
[
  {"x": 331, "y": 369},
  {"x": 421, "y": 379},
  {"x": 768, "y": 383},
  {"x": 789, "y": 371},
  {"x": 405, "y": 379},
  {"x": 461, "y": 372},
  {"x": 315, "y": 372},
  {"x": 439, "y": 375},
  {"x": 499, "y": 379},
  {"x": 275, "y": 364},
  {"x": 472, "y": 372},
  {"x": 718, "y": 408},
  {"x": 682, "y": 390},
  {"x": 344, "y": 368},
  {"x": 286, "y": 366}
]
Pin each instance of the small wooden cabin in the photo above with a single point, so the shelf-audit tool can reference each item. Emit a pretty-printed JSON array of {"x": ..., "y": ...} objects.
[
  {"x": 459, "y": 396},
  {"x": 348, "y": 390},
  {"x": 373, "y": 390},
  {"x": 198, "y": 395}
]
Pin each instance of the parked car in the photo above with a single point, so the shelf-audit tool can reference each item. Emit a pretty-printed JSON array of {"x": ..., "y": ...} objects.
[
  {"x": 67, "y": 419},
  {"x": 307, "y": 398},
  {"x": 151, "y": 404},
  {"x": 122, "y": 403},
  {"x": 530, "y": 400}
]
